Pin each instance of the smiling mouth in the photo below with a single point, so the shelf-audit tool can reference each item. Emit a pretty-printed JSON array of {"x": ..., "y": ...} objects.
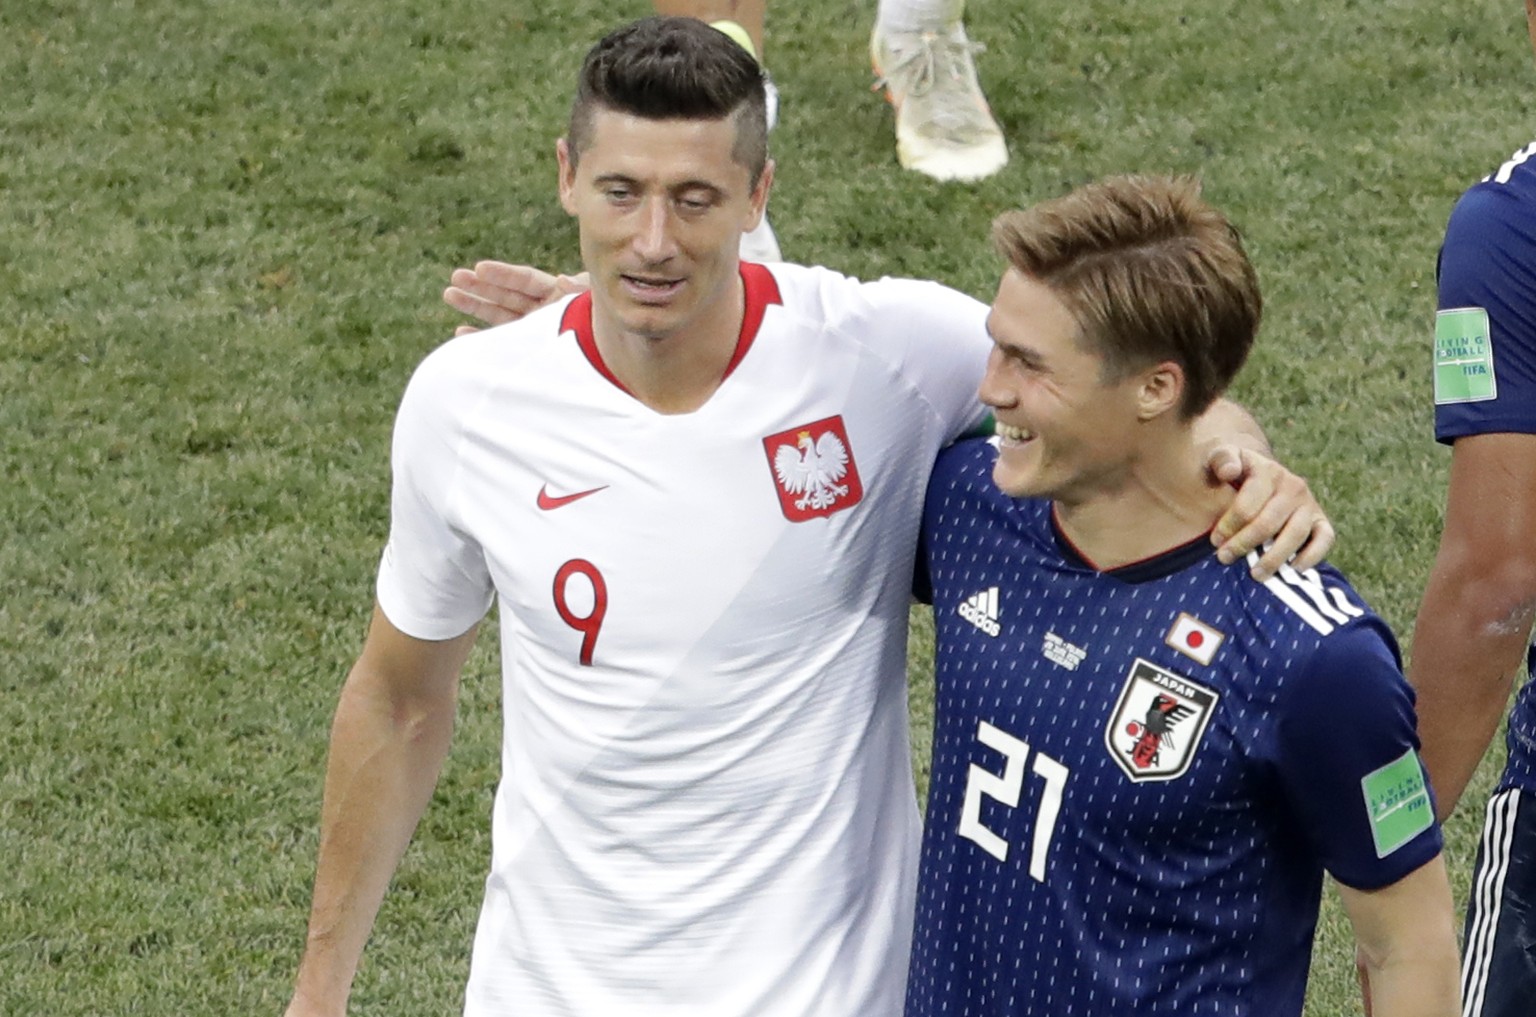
[{"x": 1012, "y": 435}]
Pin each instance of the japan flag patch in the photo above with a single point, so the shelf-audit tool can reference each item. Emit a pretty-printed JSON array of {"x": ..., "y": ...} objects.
[
  {"x": 1194, "y": 638},
  {"x": 813, "y": 469}
]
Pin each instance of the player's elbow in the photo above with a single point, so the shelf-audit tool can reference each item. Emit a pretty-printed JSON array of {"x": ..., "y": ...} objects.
[
  {"x": 403, "y": 712},
  {"x": 1487, "y": 595},
  {"x": 1416, "y": 970},
  {"x": 1406, "y": 936},
  {"x": 1428, "y": 942}
]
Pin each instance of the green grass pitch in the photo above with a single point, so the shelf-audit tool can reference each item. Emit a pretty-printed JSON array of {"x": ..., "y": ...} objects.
[{"x": 223, "y": 230}]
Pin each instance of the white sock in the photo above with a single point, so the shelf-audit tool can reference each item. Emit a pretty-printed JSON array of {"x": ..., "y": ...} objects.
[{"x": 918, "y": 15}]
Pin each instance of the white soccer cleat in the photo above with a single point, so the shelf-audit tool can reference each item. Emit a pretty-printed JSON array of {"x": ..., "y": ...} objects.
[{"x": 944, "y": 127}]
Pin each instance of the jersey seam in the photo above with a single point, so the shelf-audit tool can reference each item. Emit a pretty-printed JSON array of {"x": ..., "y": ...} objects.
[
  {"x": 893, "y": 368},
  {"x": 453, "y": 496}
]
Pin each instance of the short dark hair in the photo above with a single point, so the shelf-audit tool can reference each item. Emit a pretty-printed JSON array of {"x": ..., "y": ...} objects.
[
  {"x": 674, "y": 69},
  {"x": 1150, "y": 271}
]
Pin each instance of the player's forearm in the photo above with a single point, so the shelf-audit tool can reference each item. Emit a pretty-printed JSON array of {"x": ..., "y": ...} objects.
[
  {"x": 1468, "y": 642},
  {"x": 384, "y": 762}
]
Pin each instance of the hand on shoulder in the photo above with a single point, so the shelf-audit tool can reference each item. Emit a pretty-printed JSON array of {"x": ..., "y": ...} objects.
[{"x": 496, "y": 292}]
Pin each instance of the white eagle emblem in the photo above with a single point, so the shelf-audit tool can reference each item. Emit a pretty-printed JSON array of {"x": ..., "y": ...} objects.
[
  {"x": 815, "y": 473},
  {"x": 811, "y": 468}
]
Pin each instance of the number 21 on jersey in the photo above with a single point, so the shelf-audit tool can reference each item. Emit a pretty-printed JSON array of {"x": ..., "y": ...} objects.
[{"x": 981, "y": 783}]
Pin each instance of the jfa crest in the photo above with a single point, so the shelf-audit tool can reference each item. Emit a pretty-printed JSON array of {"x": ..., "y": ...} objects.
[
  {"x": 1158, "y": 723},
  {"x": 813, "y": 469}
]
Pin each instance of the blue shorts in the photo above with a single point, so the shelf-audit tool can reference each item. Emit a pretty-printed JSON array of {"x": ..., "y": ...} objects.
[{"x": 1498, "y": 972}]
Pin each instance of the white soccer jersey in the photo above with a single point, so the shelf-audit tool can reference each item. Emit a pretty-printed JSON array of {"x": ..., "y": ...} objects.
[{"x": 706, "y": 805}]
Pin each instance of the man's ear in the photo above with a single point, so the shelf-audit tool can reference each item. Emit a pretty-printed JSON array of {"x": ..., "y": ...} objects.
[
  {"x": 760, "y": 196},
  {"x": 1161, "y": 391},
  {"x": 567, "y": 175}
]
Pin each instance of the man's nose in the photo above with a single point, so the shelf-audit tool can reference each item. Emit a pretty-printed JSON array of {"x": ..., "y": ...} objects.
[{"x": 654, "y": 239}]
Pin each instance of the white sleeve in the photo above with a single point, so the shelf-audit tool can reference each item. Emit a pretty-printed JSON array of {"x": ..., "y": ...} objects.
[
  {"x": 938, "y": 336},
  {"x": 433, "y": 582}
]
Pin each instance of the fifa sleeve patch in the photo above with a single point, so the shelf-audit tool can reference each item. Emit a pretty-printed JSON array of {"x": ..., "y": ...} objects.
[
  {"x": 1463, "y": 357},
  {"x": 1397, "y": 803}
]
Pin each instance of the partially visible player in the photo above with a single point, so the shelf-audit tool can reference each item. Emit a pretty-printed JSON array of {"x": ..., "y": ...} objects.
[
  {"x": 1144, "y": 760},
  {"x": 1474, "y": 624}
]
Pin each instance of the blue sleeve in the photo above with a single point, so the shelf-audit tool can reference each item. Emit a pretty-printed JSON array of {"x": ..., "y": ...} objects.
[
  {"x": 1488, "y": 262},
  {"x": 948, "y": 471},
  {"x": 1343, "y": 725}
]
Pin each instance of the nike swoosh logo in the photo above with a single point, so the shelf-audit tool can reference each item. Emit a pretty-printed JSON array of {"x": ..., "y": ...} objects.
[{"x": 548, "y": 501}]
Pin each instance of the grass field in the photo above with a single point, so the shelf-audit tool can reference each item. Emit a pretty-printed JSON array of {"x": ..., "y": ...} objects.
[{"x": 223, "y": 233}]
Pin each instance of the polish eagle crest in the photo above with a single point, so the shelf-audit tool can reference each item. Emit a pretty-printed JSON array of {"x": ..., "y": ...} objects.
[
  {"x": 811, "y": 468},
  {"x": 814, "y": 469}
]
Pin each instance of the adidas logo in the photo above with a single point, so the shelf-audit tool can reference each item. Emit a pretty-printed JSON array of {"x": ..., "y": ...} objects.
[{"x": 981, "y": 611}]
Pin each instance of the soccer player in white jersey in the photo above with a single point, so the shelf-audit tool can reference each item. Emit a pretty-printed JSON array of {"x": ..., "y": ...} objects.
[
  {"x": 694, "y": 493},
  {"x": 1144, "y": 760}
]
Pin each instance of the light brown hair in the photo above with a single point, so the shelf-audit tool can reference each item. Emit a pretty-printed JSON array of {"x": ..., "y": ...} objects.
[{"x": 1151, "y": 272}]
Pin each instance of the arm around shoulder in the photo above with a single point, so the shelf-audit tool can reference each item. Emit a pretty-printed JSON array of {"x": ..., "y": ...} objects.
[
  {"x": 1272, "y": 504},
  {"x": 1474, "y": 622},
  {"x": 390, "y": 735}
]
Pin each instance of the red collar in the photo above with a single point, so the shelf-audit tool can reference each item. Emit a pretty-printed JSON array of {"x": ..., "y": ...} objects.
[{"x": 761, "y": 290}]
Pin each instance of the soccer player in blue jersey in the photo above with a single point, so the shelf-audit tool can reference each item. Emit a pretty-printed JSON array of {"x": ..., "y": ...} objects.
[
  {"x": 1144, "y": 760},
  {"x": 1474, "y": 625}
]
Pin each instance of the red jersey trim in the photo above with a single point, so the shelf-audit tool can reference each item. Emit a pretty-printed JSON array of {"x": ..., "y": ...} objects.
[
  {"x": 1154, "y": 566},
  {"x": 578, "y": 318},
  {"x": 760, "y": 287}
]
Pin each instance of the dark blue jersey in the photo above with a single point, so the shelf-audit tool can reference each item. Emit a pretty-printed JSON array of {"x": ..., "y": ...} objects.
[
  {"x": 1140, "y": 776},
  {"x": 1486, "y": 325}
]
